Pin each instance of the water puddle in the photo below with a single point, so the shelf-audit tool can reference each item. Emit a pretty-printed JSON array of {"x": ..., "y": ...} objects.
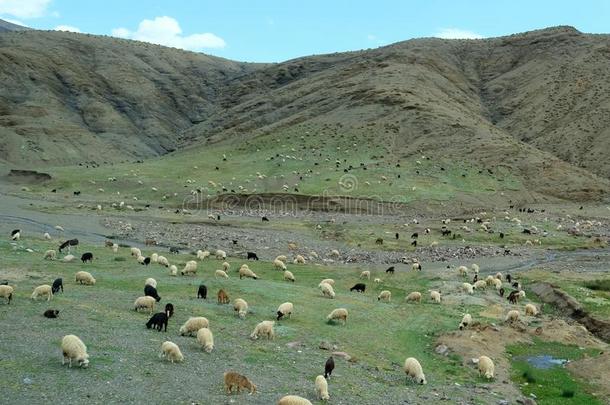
[{"x": 544, "y": 361}]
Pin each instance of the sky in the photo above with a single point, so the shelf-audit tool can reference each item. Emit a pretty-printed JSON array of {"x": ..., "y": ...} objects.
[{"x": 278, "y": 30}]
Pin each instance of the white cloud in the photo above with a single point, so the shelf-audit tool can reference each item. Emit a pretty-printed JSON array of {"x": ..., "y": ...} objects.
[
  {"x": 371, "y": 37},
  {"x": 166, "y": 31},
  {"x": 12, "y": 21},
  {"x": 67, "y": 28},
  {"x": 24, "y": 8},
  {"x": 456, "y": 33}
]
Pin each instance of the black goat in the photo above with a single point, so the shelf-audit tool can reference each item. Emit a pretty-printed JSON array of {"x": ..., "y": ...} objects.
[
  {"x": 202, "y": 292},
  {"x": 329, "y": 367},
  {"x": 58, "y": 284},
  {"x": 169, "y": 310},
  {"x": 87, "y": 257},
  {"x": 158, "y": 321},
  {"x": 360, "y": 287}
]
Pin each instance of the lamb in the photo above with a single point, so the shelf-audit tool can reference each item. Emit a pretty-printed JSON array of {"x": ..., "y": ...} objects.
[
  {"x": 151, "y": 282},
  {"x": 220, "y": 254},
  {"x": 162, "y": 260},
  {"x": 512, "y": 316},
  {"x": 171, "y": 352},
  {"x": 43, "y": 290},
  {"x": 233, "y": 379},
  {"x": 385, "y": 295},
  {"x": 338, "y": 314},
  {"x": 6, "y": 291},
  {"x": 466, "y": 320},
  {"x": 206, "y": 339},
  {"x": 223, "y": 297},
  {"x": 531, "y": 310},
  {"x": 173, "y": 270},
  {"x": 151, "y": 291},
  {"x": 68, "y": 258},
  {"x": 136, "y": 252},
  {"x": 246, "y": 272},
  {"x": 189, "y": 268},
  {"x": 435, "y": 296},
  {"x": 415, "y": 296},
  {"x": 202, "y": 292},
  {"x": 264, "y": 328},
  {"x": 414, "y": 370},
  {"x": 220, "y": 273},
  {"x": 278, "y": 264},
  {"x": 463, "y": 270},
  {"x": 74, "y": 349},
  {"x": 327, "y": 281},
  {"x": 226, "y": 266},
  {"x": 486, "y": 367},
  {"x": 50, "y": 255},
  {"x": 84, "y": 277},
  {"x": 359, "y": 287},
  {"x": 322, "y": 388},
  {"x": 284, "y": 309},
  {"x": 327, "y": 290},
  {"x": 158, "y": 321},
  {"x": 51, "y": 313},
  {"x": 240, "y": 306},
  {"x": 115, "y": 248},
  {"x": 293, "y": 400},
  {"x": 480, "y": 285},
  {"x": 299, "y": 260},
  {"x": 366, "y": 274},
  {"x": 467, "y": 288},
  {"x": 144, "y": 302},
  {"x": 193, "y": 324},
  {"x": 202, "y": 255},
  {"x": 288, "y": 276}
]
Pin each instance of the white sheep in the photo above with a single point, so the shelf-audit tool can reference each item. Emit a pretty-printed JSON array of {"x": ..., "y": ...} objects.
[
  {"x": 16, "y": 236},
  {"x": 435, "y": 296},
  {"x": 335, "y": 253},
  {"x": 140, "y": 259},
  {"x": 413, "y": 369},
  {"x": 151, "y": 282},
  {"x": 377, "y": 281},
  {"x": 6, "y": 291},
  {"x": 480, "y": 285},
  {"x": 512, "y": 316},
  {"x": 327, "y": 290},
  {"x": 365, "y": 274},
  {"x": 497, "y": 283},
  {"x": 415, "y": 296},
  {"x": 202, "y": 254},
  {"x": 338, "y": 314},
  {"x": 281, "y": 258},
  {"x": 486, "y": 367},
  {"x": 171, "y": 352},
  {"x": 220, "y": 273},
  {"x": 531, "y": 310},
  {"x": 74, "y": 349},
  {"x": 173, "y": 270},
  {"x": 264, "y": 328},
  {"x": 136, "y": 252},
  {"x": 154, "y": 258},
  {"x": 44, "y": 290},
  {"x": 466, "y": 320},
  {"x": 299, "y": 260},
  {"x": 115, "y": 248},
  {"x": 193, "y": 324},
  {"x": 246, "y": 272},
  {"x": 285, "y": 309},
  {"x": 385, "y": 295},
  {"x": 240, "y": 306},
  {"x": 463, "y": 270},
  {"x": 278, "y": 264},
  {"x": 322, "y": 388},
  {"x": 206, "y": 339},
  {"x": 68, "y": 258},
  {"x": 46, "y": 236},
  {"x": 162, "y": 260},
  {"x": 221, "y": 254},
  {"x": 327, "y": 281},
  {"x": 144, "y": 302},
  {"x": 83, "y": 277},
  {"x": 288, "y": 276},
  {"x": 189, "y": 268},
  {"x": 467, "y": 288},
  {"x": 50, "y": 255},
  {"x": 293, "y": 400},
  {"x": 475, "y": 268}
]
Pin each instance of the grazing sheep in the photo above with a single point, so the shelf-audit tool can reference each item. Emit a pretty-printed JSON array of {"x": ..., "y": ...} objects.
[
  {"x": 264, "y": 328},
  {"x": 329, "y": 366},
  {"x": 480, "y": 285},
  {"x": 87, "y": 257},
  {"x": 154, "y": 258},
  {"x": 84, "y": 277},
  {"x": 50, "y": 255},
  {"x": 206, "y": 339},
  {"x": 144, "y": 302},
  {"x": 531, "y": 310},
  {"x": 413, "y": 369},
  {"x": 327, "y": 281},
  {"x": 489, "y": 279},
  {"x": 463, "y": 270},
  {"x": 58, "y": 284},
  {"x": 335, "y": 253},
  {"x": 338, "y": 314},
  {"x": 288, "y": 276},
  {"x": 246, "y": 272},
  {"x": 281, "y": 258},
  {"x": 251, "y": 256},
  {"x": 189, "y": 268},
  {"x": 220, "y": 273},
  {"x": 512, "y": 316},
  {"x": 193, "y": 324},
  {"x": 162, "y": 260},
  {"x": 475, "y": 268},
  {"x": 284, "y": 309},
  {"x": 226, "y": 266},
  {"x": 46, "y": 236},
  {"x": 293, "y": 400},
  {"x": 158, "y": 321},
  {"x": 202, "y": 255},
  {"x": 385, "y": 295},
  {"x": 43, "y": 290},
  {"x": 299, "y": 260},
  {"x": 467, "y": 288},
  {"x": 322, "y": 388},
  {"x": 498, "y": 276},
  {"x": 74, "y": 349},
  {"x": 136, "y": 252},
  {"x": 171, "y": 352},
  {"x": 278, "y": 264},
  {"x": 377, "y": 280},
  {"x": 497, "y": 283},
  {"x": 6, "y": 291},
  {"x": 514, "y": 296},
  {"x": 68, "y": 258},
  {"x": 416, "y": 266},
  {"x": 390, "y": 270},
  {"x": 51, "y": 313},
  {"x": 292, "y": 246},
  {"x": 466, "y": 320},
  {"x": 359, "y": 287},
  {"x": 151, "y": 282},
  {"x": 173, "y": 270},
  {"x": 486, "y": 367},
  {"x": 366, "y": 274},
  {"x": 435, "y": 296},
  {"x": 140, "y": 259},
  {"x": 327, "y": 290},
  {"x": 415, "y": 296},
  {"x": 240, "y": 306},
  {"x": 16, "y": 234},
  {"x": 169, "y": 309},
  {"x": 220, "y": 254},
  {"x": 223, "y": 297},
  {"x": 233, "y": 379},
  {"x": 151, "y": 291}
]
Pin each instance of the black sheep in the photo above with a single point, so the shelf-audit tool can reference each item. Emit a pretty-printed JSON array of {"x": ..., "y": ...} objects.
[
  {"x": 158, "y": 321},
  {"x": 15, "y": 231},
  {"x": 501, "y": 292},
  {"x": 265, "y": 219},
  {"x": 202, "y": 292},
  {"x": 146, "y": 261},
  {"x": 415, "y": 235},
  {"x": 58, "y": 284},
  {"x": 509, "y": 278},
  {"x": 151, "y": 291},
  {"x": 414, "y": 243},
  {"x": 51, "y": 313},
  {"x": 68, "y": 244},
  {"x": 252, "y": 256},
  {"x": 87, "y": 257},
  {"x": 396, "y": 235},
  {"x": 513, "y": 297},
  {"x": 360, "y": 287},
  {"x": 169, "y": 310},
  {"x": 501, "y": 235},
  {"x": 390, "y": 270},
  {"x": 329, "y": 367}
]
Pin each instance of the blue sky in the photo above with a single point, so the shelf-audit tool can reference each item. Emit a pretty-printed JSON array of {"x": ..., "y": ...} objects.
[{"x": 275, "y": 30}]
